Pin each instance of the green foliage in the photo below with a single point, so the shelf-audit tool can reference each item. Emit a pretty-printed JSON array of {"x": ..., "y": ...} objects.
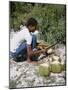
[{"x": 50, "y": 17}]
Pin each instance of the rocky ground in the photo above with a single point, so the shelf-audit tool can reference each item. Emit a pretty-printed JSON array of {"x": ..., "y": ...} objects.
[{"x": 24, "y": 74}]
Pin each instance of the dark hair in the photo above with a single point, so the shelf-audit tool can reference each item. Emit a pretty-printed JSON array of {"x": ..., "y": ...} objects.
[{"x": 31, "y": 21}]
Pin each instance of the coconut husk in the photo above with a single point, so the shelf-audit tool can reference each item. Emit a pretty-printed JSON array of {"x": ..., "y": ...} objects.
[
  {"x": 42, "y": 45},
  {"x": 44, "y": 69},
  {"x": 56, "y": 67}
]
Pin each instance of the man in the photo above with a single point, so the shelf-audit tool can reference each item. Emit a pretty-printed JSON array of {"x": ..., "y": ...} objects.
[{"x": 23, "y": 42}]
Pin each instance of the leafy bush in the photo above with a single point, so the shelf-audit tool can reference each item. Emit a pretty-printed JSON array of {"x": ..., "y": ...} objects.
[{"x": 50, "y": 17}]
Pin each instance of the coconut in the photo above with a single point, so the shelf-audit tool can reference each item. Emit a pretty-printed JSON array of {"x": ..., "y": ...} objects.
[
  {"x": 63, "y": 65},
  {"x": 49, "y": 51},
  {"x": 56, "y": 67},
  {"x": 44, "y": 69}
]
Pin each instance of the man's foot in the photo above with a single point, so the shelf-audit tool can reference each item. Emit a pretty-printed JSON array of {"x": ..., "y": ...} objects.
[{"x": 33, "y": 62}]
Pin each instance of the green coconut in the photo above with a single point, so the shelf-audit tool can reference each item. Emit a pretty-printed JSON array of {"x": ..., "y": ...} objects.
[
  {"x": 56, "y": 67},
  {"x": 50, "y": 68},
  {"x": 44, "y": 70},
  {"x": 63, "y": 66}
]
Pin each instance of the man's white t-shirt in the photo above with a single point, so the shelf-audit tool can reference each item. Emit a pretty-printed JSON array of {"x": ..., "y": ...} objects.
[{"x": 18, "y": 38}]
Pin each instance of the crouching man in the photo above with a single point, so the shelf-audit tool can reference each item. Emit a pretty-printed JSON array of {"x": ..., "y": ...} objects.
[{"x": 24, "y": 43}]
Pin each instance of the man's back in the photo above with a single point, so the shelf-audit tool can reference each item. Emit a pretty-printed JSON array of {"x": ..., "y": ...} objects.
[{"x": 19, "y": 38}]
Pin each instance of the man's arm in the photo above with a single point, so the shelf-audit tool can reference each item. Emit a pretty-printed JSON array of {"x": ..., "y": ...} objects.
[{"x": 31, "y": 53}]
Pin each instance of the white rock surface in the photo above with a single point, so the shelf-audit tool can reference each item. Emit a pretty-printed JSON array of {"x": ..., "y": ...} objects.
[{"x": 26, "y": 74}]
